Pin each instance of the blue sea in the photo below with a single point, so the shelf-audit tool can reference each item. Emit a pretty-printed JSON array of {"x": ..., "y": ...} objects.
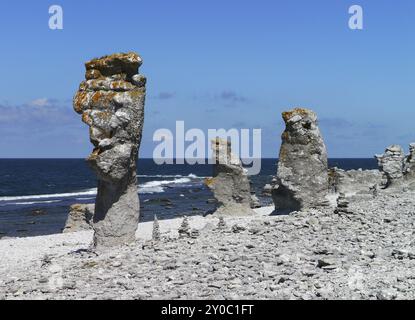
[{"x": 35, "y": 194}]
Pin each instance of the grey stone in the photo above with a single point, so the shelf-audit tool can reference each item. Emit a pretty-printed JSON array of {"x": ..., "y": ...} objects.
[
  {"x": 342, "y": 205},
  {"x": 70, "y": 285},
  {"x": 156, "y": 229},
  {"x": 255, "y": 202},
  {"x": 267, "y": 190},
  {"x": 237, "y": 228},
  {"x": 302, "y": 175},
  {"x": 374, "y": 190},
  {"x": 386, "y": 294},
  {"x": 409, "y": 166},
  {"x": 354, "y": 181},
  {"x": 184, "y": 229},
  {"x": 221, "y": 223},
  {"x": 321, "y": 263},
  {"x": 391, "y": 164},
  {"x": 229, "y": 184},
  {"x": 194, "y": 233},
  {"x": 116, "y": 264},
  {"x": 112, "y": 104},
  {"x": 361, "y": 257},
  {"x": 79, "y": 218}
]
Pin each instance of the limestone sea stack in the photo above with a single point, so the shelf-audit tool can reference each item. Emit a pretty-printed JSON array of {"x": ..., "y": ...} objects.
[
  {"x": 111, "y": 101},
  {"x": 229, "y": 184},
  {"x": 302, "y": 176},
  {"x": 79, "y": 218},
  {"x": 391, "y": 164}
]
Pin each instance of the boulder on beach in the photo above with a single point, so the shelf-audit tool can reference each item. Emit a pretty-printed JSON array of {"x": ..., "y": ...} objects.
[
  {"x": 229, "y": 184},
  {"x": 111, "y": 101},
  {"x": 302, "y": 174}
]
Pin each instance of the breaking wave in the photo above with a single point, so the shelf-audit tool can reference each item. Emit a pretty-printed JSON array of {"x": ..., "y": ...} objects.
[
  {"x": 191, "y": 175},
  {"x": 156, "y": 186},
  {"x": 50, "y": 196}
]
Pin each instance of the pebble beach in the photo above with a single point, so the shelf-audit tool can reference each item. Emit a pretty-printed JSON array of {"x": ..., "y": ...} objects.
[{"x": 367, "y": 253}]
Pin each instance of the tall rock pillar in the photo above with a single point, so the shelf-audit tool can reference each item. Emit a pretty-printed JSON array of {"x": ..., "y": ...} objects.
[
  {"x": 229, "y": 184},
  {"x": 111, "y": 101},
  {"x": 302, "y": 176}
]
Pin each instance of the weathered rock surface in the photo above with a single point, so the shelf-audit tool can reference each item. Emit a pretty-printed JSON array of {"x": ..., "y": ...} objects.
[
  {"x": 395, "y": 169},
  {"x": 391, "y": 164},
  {"x": 409, "y": 168},
  {"x": 111, "y": 102},
  {"x": 79, "y": 218},
  {"x": 255, "y": 203},
  {"x": 229, "y": 184},
  {"x": 354, "y": 181},
  {"x": 302, "y": 176},
  {"x": 313, "y": 254}
]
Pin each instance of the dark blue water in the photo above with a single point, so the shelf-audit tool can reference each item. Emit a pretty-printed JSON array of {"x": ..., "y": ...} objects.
[{"x": 35, "y": 194}]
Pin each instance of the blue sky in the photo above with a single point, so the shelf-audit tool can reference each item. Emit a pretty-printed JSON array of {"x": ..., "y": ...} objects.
[{"x": 213, "y": 64}]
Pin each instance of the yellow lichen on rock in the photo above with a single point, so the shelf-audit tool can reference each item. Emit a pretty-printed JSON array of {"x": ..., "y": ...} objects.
[
  {"x": 80, "y": 101},
  {"x": 115, "y": 64},
  {"x": 102, "y": 99},
  {"x": 209, "y": 181},
  {"x": 86, "y": 118},
  {"x": 93, "y": 156},
  {"x": 286, "y": 115},
  {"x": 93, "y": 74},
  {"x": 121, "y": 85},
  {"x": 111, "y": 101}
]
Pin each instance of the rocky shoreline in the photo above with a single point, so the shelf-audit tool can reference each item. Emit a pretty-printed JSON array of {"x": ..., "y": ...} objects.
[
  {"x": 367, "y": 252},
  {"x": 331, "y": 234}
]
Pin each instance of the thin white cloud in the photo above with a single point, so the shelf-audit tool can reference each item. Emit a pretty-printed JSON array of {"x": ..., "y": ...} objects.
[
  {"x": 36, "y": 113},
  {"x": 42, "y": 102}
]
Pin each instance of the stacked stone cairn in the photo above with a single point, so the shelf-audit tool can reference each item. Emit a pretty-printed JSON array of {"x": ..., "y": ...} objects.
[{"x": 342, "y": 205}]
